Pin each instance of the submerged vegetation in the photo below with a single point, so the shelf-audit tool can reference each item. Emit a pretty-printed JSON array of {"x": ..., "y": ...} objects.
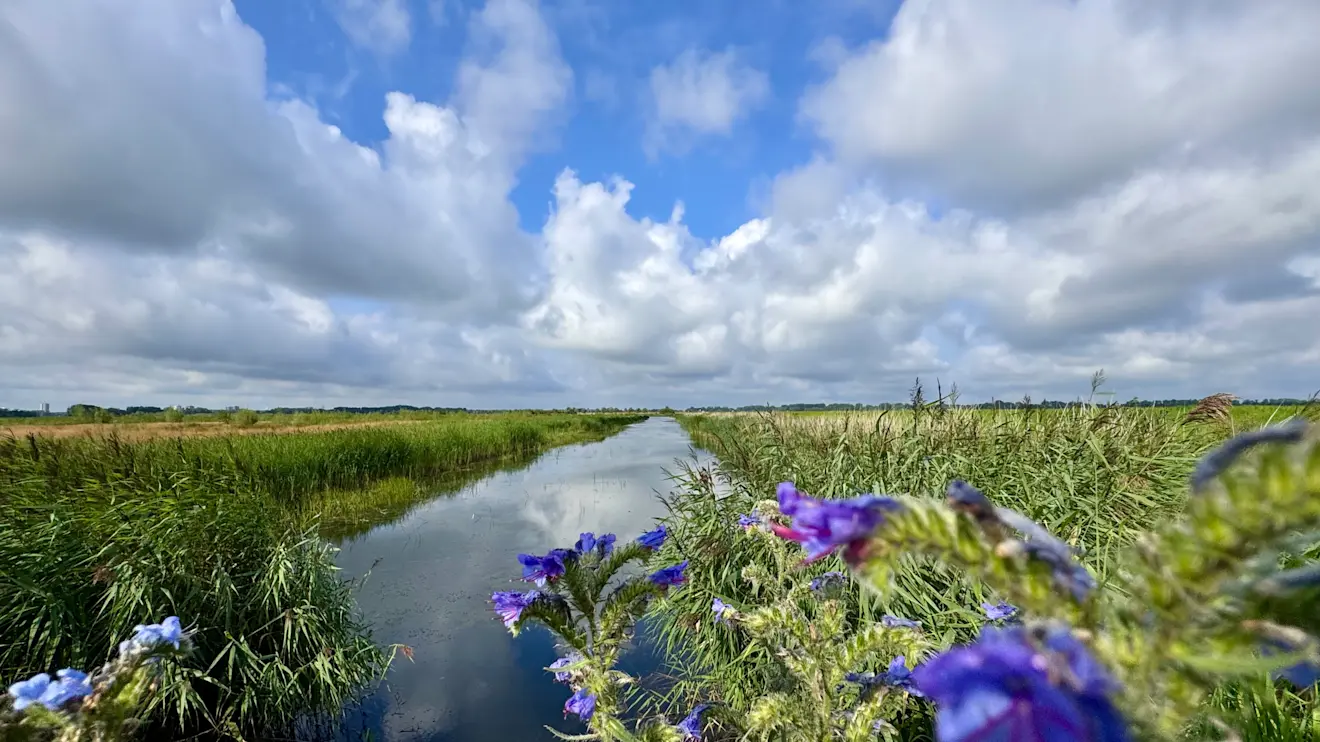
[{"x": 100, "y": 533}]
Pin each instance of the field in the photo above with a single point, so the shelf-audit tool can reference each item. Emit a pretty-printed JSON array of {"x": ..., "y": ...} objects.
[
  {"x": 107, "y": 531},
  {"x": 1093, "y": 475}
]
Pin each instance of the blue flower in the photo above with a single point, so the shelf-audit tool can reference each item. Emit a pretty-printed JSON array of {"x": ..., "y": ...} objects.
[
  {"x": 581, "y": 703},
  {"x": 899, "y": 676},
  {"x": 999, "y": 611},
  {"x": 691, "y": 725},
  {"x": 897, "y": 622},
  {"x": 146, "y": 637},
  {"x": 668, "y": 576},
  {"x": 822, "y": 526},
  {"x": 719, "y": 607},
  {"x": 653, "y": 539},
  {"x": 39, "y": 689},
  {"x": 605, "y": 544},
  {"x": 510, "y": 605},
  {"x": 748, "y": 521},
  {"x": 826, "y": 581},
  {"x": 586, "y": 542},
  {"x": 1001, "y": 688},
  {"x": 896, "y": 676},
  {"x": 562, "y": 676},
  {"x": 542, "y": 569}
]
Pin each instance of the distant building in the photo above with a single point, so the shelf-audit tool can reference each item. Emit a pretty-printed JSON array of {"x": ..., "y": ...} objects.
[
  {"x": 45, "y": 408},
  {"x": 232, "y": 408}
]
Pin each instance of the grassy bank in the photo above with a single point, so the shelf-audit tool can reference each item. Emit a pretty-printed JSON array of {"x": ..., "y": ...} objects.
[
  {"x": 1094, "y": 476},
  {"x": 100, "y": 534}
]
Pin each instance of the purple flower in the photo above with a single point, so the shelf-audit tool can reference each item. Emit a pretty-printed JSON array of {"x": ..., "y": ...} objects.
[
  {"x": 586, "y": 542},
  {"x": 999, "y": 611},
  {"x": 897, "y": 622},
  {"x": 39, "y": 689},
  {"x": 691, "y": 725},
  {"x": 720, "y": 608},
  {"x": 1302, "y": 675},
  {"x": 558, "y": 666},
  {"x": 542, "y": 569},
  {"x": 748, "y": 521},
  {"x": 1002, "y": 687},
  {"x": 581, "y": 703},
  {"x": 668, "y": 576},
  {"x": 605, "y": 544},
  {"x": 899, "y": 676},
  {"x": 896, "y": 676},
  {"x": 821, "y": 526},
  {"x": 826, "y": 581},
  {"x": 1217, "y": 461},
  {"x": 510, "y": 605},
  {"x": 653, "y": 539}
]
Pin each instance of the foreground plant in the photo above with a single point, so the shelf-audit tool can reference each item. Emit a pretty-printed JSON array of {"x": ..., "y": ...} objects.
[
  {"x": 101, "y": 707},
  {"x": 830, "y": 691},
  {"x": 1194, "y": 602},
  {"x": 594, "y": 615}
]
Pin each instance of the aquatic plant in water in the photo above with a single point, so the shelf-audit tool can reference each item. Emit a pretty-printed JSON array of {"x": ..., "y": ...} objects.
[{"x": 100, "y": 707}]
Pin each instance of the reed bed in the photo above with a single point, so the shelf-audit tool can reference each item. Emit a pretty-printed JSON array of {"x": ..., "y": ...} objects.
[
  {"x": 1094, "y": 475},
  {"x": 98, "y": 534}
]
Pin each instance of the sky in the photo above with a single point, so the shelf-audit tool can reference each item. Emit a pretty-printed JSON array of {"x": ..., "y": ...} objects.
[{"x": 512, "y": 203}]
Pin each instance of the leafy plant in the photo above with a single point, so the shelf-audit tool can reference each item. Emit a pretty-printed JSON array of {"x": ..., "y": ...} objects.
[{"x": 586, "y": 599}]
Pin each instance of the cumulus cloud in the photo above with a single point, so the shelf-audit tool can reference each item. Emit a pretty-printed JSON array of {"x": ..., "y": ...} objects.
[
  {"x": 383, "y": 26},
  {"x": 1009, "y": 198},
  {"x": 701, "y": 93},
  {"x": 1028, "y": 102},
  {"x": 203, "y": 224}
]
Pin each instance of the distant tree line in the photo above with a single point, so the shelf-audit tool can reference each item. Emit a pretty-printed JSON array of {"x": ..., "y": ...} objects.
[
  {"x": 96, "y": 413},
  {"x": 1049, "y": 404}
]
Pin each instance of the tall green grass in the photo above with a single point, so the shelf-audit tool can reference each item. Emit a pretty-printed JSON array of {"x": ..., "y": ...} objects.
[
  {"x": 1094, "y": 475},
  {"x": 97, "y": 535}
]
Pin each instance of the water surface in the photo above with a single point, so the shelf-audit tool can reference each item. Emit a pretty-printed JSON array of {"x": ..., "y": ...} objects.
[{"x": 435, "y": 569}]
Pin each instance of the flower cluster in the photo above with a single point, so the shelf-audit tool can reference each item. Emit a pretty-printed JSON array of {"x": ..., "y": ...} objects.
[
  {"x": 592, "y": 620},
  {"x": 1043, "y": 679},
  {"x": 95, "y": 706}
]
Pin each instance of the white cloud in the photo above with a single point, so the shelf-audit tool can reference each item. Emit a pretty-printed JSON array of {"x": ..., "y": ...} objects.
[
  {"x": 1023, "y": 102},
  {"x": 1009, "y": 198},
  {"x": 383, "y": 26},
  {"x": 701, "y": 93}
]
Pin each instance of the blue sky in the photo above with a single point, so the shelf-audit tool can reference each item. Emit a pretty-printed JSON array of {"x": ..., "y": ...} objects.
[
  {"x": 324, "y": 202},
  {"x": 614, "y": 47}
]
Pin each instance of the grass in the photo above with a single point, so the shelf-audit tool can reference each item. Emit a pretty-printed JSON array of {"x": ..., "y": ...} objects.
[
  {"x": 102, "y": 534},
  {"x": 1093, "y": 475}
]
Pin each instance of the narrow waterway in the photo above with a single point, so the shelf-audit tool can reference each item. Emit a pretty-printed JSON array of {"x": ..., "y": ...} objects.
[{"x": 432, "y": 573}]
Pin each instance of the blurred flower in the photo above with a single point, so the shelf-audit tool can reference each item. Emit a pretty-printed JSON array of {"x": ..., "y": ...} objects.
[
  {"x": 1005, "y": 687},
  {"x": 571, "y": 658},
  {"x": 822, "y": 526},
  {"x": 690, "y": 726},
  {"x": 581, "y": 703},
  {"x": 720, "y": 608},
  {"x": 605, "y": 544},
  {"x": 667, "y": 576},
  {"x": 748, "y": 521},
  {"x": 653, "y": 539},
  {"x": 53, "y": 695},
  {"x": 998, "y": 611},
  {"x": 827, "y": 581},
  {"x": 896, "y": 622}
]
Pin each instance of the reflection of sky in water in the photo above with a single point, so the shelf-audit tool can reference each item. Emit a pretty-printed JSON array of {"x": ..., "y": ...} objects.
[{"x": 469, "y": 679}]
